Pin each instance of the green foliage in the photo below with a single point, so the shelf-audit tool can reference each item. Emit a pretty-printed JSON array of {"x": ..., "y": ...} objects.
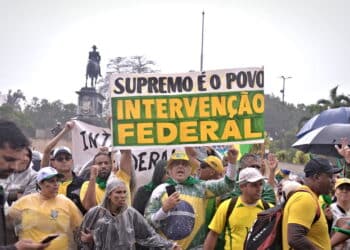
[
  {"x": 44, "y": 114},
  {"x": 335, "y": 100},
  {"x": 281, "y": 118},
  {"x": 39, "y": 114},
  {"x": 300, "y": 158},
  {"x": 9, "y": 112}
]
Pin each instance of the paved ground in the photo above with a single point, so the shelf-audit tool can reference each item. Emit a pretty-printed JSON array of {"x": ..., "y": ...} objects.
[{"x": 296, "y": 168}]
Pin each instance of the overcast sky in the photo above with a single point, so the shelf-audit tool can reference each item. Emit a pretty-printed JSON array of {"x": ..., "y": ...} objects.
[{"x": 44, "y": 44}]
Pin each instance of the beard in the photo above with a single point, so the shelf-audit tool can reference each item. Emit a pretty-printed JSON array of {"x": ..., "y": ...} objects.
[{"x": 104, "y": 174}]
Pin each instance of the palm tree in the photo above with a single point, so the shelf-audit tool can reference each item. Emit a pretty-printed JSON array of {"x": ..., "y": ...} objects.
[{"x": 335, "y": 101}]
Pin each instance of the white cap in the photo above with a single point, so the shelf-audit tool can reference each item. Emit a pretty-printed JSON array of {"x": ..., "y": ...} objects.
[
  {"x": 47, "y": 173},
  {"x": 250, "y": 175},
  {"x": 61, "y": 150}
]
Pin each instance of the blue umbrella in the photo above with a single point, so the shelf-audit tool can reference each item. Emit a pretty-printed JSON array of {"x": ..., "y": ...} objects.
[
  {"x": 329, "y": 116},
  {"x": 322, "y": 140}
]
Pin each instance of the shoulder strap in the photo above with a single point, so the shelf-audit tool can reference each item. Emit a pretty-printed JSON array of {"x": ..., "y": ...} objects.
[
  {"x": 230, "y": 208},
  {"x": 265, "y": 204},
  {"x": 318, "y": 210}
]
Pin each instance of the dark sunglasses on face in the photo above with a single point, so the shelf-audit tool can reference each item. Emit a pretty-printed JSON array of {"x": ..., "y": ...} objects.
[{"x": 60, "y": 159}]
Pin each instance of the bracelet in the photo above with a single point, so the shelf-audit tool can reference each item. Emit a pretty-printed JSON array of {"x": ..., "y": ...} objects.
[{"x": 341, "y": 230}]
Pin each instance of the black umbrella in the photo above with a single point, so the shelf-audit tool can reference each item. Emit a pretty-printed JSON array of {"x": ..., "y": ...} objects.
[
  {"x": 322, "y": 140},
  {"x": 329, "y": 116}
]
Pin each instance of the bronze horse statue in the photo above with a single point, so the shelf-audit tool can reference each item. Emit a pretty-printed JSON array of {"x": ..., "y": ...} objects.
[{"x": 92, "y": 71}]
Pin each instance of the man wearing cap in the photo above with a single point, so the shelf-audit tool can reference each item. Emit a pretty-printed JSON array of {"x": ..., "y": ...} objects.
[
  {"x": 243, "y": 214},
  {"x": 12, "y": 142},
  {"x": 251, "y": 160},
  {"x": 304, "y": 224},
  {"x": 211, "y": 168},
  {"x": 47, "y": 212},
  {"x": 62, "y": 161},
  {"x": 179, "y": 215}
]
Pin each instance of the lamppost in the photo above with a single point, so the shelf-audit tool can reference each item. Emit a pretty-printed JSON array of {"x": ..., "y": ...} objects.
[{"x": 283, "y": 88}]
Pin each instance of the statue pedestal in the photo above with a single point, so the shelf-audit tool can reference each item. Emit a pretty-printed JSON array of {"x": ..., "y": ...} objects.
[{"x": 90, "y": 105}]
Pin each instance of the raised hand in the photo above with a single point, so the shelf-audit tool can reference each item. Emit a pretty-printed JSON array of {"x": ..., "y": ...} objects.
[
  {"x": 344, "y": 149},
  {"x": 171, "y": 202}
]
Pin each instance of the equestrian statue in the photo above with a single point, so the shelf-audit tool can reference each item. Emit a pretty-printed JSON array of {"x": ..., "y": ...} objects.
[{"x": 93, "y": 69}]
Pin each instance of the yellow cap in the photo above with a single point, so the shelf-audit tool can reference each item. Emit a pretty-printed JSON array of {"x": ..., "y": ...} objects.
[
  {"x": 177, "y": 155},
  {"x": 215, "y": 163},
  {"x": 342, "y": 181}
]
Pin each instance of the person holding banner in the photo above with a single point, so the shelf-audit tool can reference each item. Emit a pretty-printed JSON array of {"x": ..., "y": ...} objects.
[
  {"x": 62, "y": 160},
  {"x": 176, "y": 208}
]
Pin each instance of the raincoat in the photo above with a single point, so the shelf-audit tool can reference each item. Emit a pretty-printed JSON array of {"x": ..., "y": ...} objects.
[{"x": 120, "y": 231}]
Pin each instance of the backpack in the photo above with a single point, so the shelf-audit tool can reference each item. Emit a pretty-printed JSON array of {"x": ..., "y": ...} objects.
[
  {"x": 221, "y": 239},
  {"x": 266, "y": 233}
]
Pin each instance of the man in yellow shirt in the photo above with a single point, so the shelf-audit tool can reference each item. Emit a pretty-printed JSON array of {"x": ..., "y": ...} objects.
[
  {"x": 92, "y": 191},
  {"x": 61, "y": 159},
  {"x": 301, "y": 227},
  {"x": 243, "y": 215}
]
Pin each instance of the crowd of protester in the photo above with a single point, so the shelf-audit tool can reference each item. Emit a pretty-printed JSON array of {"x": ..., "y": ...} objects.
[{"x": 184, "y": 206}]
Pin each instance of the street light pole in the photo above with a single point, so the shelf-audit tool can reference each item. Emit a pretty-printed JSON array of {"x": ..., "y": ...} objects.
[
  {"x": 283, "y": 88},
  {"x": 201, "y": 66}
]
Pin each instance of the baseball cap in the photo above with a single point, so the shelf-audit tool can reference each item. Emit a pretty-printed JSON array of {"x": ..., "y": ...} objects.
[
  {"x": 47, "y": 173},
  {"x": 215, "y": 163},
  {"x": 318, "y": 166},
  {"x": 250, "y": 175},
  {"x": 341, "y": 181},
  {"x": 177, "y": 155},
  {"x": 60, "y": 150}
]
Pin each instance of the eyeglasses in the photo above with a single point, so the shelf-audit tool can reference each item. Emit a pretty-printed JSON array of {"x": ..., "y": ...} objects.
[{"x": 60, "y": 159}]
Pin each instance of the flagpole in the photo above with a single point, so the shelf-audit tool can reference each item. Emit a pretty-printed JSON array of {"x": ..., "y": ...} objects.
[{"x": 201, "y": 67}]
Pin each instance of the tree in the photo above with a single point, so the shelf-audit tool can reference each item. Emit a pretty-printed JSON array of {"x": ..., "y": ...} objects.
[
  {"x": 45, "y": 115},
  {"x": 13, "y": 99},
  {"x": 133, "y": 64},
  {"x": 335, "y": 101}
]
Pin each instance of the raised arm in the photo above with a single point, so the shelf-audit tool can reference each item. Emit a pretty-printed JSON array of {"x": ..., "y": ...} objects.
[
  {"x": 51, "y": 144},
  {"x": 89, "y": 198},
  {"x": 126, "y": 161}
]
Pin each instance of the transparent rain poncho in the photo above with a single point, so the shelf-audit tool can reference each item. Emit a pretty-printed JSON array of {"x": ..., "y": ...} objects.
[{"x": 120, "y": 231}]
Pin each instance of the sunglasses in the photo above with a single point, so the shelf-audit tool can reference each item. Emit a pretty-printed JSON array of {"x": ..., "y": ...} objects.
[{"x": 60, "y": 159}]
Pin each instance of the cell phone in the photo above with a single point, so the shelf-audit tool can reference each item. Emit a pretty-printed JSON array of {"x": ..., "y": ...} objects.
[
  {"x": 50, "y": 238},
  {"x": 170, "y": 189}
]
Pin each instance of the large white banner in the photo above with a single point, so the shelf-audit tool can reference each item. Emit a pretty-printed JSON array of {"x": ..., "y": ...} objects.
[{"x": 87, "y": 139}]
